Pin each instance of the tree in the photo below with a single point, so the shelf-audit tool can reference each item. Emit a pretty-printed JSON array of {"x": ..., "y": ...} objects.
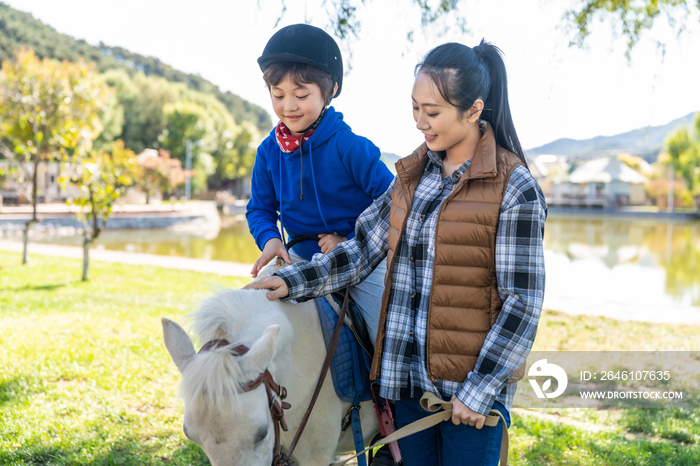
[
  {"x": 18, "y": 28},
  {"x": 161, "y": 114},
  {"x": 660, "y": 186},
  {"x": 159, "y": 173},
  {"x": 188, "y": 121},
  {"x": 345, "y": 24},
  {"x": 141, "y": 99},
  {"x": 343, "y": 21},
  {"x": 238, "y": 154},
  {"x": 631, "y": 18},
  {"x": 102, "y": 177},
  {"x": 48, "y": 111},
  {"x": 684, "y": 154}
]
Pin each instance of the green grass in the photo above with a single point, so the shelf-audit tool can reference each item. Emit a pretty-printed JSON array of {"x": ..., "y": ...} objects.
[
  {"x": 85, "y": 378},
  {"x": 84, "y": 375},
  {"x": 537, "y": 442}
]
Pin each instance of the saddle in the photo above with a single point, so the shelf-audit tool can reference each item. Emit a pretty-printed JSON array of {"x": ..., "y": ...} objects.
[{"x": 353, "y": 356}]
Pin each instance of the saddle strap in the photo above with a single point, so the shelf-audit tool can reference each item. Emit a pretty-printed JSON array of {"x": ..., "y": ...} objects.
[
  {"x": 358, "y": 438},
  {"x": 386, "y": 420},
  {"x": 430, "y": 402}
]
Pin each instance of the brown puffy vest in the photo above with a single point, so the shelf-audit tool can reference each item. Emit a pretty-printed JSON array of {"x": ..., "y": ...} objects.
[{"x": 464, "y": 299}]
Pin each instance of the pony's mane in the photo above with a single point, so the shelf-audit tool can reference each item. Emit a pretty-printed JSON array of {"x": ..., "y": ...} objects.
[{"x": 212, "y": 378}]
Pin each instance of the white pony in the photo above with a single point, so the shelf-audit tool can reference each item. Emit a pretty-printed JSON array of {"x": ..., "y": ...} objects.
[{"x": 234, "y": 427}]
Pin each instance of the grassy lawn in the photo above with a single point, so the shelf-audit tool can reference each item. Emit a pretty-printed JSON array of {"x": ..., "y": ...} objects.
[{"x": 85, "y": 378}]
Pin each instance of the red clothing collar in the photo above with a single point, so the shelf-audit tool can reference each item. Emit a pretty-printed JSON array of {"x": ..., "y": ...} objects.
[{"x": 287, "y": 141}]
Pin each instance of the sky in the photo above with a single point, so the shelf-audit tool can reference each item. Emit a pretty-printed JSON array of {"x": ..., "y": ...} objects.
[{"x": 556, "y": 91}]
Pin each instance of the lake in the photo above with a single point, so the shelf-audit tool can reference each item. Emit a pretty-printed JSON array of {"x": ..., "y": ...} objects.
[
  {"x": 627, "y": 268},
  {"x": 650, "y": 267}
]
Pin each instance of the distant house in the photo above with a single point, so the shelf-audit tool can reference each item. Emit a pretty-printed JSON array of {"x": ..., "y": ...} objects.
[
  {"x": 543, "y": 167},
  {"x": 604, "y": 182},
  {"x": 48, "y": 187},
  {"x": 547, "y": 170}
]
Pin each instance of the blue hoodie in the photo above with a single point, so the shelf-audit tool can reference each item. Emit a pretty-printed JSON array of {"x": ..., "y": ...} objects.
[{"x": 342, "y": 175}]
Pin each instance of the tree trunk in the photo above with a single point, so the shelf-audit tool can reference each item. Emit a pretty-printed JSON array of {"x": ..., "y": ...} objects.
[
  {"x": 34, "y": 219},
  {"x": 86, "y": 257},
  {"x": 92, "y": 235},
  {"x": 25, "y": 258}
]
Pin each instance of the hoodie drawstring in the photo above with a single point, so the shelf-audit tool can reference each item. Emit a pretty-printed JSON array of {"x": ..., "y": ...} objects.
[
  {"x": 318, "y": 202},
  {"x": 301, "y": 175},
  {"x": 313, "y": 126},
  {"x": 284, "y": 240}
]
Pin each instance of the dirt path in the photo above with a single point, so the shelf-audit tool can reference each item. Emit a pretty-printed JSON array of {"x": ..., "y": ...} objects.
[{"x": 171, "y": 262}]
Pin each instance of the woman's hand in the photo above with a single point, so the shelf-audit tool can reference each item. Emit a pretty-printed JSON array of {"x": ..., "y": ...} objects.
[
  {"x": 278, "y": 287},
  {"x": 462, "y": 414},
  {"x": 329, "y": 241},
  {"x": 273, "y": 248}
]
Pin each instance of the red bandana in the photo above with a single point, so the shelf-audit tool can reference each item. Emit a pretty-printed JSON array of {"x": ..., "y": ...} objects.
[{"x": 286, "y": 140}]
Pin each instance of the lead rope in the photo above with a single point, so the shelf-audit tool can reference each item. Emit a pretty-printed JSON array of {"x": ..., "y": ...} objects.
[{"x": 430, "y": 402}]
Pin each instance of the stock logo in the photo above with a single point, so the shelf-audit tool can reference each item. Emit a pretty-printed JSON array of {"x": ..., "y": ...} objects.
[{"x": 542, "y": 369}]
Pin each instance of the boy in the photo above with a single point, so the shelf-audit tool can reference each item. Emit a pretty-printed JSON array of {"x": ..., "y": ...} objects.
[{"x": 312, "y": 173}]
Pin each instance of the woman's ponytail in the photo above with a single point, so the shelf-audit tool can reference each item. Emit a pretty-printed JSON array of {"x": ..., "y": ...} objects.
[
  {"x": 496, "y": 107},
  {"x": 463, "y": 75}
]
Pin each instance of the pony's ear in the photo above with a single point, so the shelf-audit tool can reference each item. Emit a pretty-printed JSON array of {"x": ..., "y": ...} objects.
[
  {"x": 178, "y": 343},
  {"x": 261, "y": 353}
]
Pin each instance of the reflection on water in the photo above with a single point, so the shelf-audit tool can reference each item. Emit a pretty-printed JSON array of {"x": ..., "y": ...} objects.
[
  {"x": 233, "y": 243},
  {"x": 638, "y": 262},
  {"x": 626, "y": 260}
]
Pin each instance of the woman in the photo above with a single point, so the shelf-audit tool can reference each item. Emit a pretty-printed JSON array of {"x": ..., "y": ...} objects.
[{"x": 462, "y": 228}]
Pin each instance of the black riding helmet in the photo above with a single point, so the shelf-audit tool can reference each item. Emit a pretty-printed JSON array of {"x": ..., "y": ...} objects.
[{"x": 302, "y": 43}]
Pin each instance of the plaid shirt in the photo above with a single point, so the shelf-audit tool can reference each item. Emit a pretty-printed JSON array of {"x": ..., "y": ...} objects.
[{"x": 519, "y": 270}]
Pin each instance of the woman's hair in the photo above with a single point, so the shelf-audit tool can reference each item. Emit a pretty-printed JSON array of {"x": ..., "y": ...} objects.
[
  {"x": 463, "y": 75},
  {"x": 299, "y": 73}
]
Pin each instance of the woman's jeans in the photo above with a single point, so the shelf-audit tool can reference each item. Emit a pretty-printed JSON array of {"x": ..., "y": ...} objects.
[
  {"x": 367, "y": 295},
  {"x": 447, "y": 444}
]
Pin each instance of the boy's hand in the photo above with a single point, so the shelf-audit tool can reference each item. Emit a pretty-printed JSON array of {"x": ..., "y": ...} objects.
[
  {"x": 273, "y": 248},
  {"x": 278, "y": 287},
  {"x": 329, "y": 241}
]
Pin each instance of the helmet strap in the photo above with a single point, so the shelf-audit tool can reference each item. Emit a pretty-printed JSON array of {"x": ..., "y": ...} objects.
[{"x": 315, "y": 124}]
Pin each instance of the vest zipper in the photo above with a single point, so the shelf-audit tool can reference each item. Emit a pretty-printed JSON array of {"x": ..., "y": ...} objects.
[{"x": 463, "y": 181}]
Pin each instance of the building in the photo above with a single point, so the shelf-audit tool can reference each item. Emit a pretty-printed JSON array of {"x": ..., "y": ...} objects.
[
  {"x": 49, "y": 188},
  {"x": 604, "y": 183}
]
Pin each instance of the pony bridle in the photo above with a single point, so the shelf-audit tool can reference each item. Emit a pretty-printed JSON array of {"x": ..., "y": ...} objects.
[
  {"x": 275, "y": 396},
  {"x": 277, "y": 407}
]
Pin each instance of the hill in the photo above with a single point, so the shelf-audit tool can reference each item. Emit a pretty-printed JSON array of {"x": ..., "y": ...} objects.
[
  {"x": 390, "y": 160},
  {"x": 644, "y": 142},
  {"x": 20, "y": 29}
]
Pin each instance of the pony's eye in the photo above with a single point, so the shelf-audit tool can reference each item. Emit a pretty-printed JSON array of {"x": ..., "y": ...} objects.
[{"x": 260, "y": 435}]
